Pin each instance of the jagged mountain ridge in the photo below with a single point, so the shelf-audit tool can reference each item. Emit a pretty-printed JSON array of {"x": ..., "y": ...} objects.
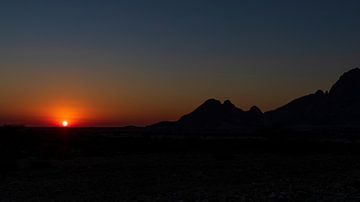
[{"x": 339, "y": 106}]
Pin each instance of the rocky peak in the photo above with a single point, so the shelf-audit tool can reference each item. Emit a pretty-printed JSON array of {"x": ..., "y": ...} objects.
[{"x": 348, "y": 86}]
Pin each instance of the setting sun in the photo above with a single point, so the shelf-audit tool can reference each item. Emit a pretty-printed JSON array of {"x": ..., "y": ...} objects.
[{"x": 65, "y": 123}]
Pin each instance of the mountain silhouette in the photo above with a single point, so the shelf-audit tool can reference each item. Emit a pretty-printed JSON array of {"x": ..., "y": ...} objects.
[
  {"x": 339, "y": 106},
  {"x": 213, "y": 114},
  {"x": 347, "y": 89}
]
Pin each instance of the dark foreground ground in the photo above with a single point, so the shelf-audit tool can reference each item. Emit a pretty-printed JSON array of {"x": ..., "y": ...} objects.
[{"x": 56, "y": 165}]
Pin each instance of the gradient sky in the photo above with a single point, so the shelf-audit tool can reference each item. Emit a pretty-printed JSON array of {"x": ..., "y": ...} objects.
[{"x": 107, "y": 62}]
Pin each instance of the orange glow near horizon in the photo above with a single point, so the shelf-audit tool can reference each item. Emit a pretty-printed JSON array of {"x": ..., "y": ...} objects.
[
  {"x": 65, "y": 123},
  {"x": 67, "y": 115}
]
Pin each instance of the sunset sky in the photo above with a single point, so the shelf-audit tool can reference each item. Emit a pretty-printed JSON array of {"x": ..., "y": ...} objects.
[{"x": 114, "y": 63}]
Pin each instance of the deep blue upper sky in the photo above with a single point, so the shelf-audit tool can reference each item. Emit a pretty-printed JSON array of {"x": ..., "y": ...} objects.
[{"x": 157, "y": 54}]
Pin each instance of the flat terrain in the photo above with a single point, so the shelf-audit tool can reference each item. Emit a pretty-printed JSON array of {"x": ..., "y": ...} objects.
[
  {"x": 88, "y": 169},
  {"x": 186, "y": 177}
]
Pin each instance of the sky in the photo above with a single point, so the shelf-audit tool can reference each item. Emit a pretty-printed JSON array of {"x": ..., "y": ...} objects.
[{"x": 136, "y": 62}]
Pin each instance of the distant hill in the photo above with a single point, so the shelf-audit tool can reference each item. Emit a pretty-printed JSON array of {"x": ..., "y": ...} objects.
[
  {"x": 339, "y": 106},
  {"x": 213, "y": 114}
]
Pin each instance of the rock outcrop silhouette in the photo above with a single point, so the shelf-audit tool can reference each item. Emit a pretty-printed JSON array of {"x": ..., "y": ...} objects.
[
  {"x": 339, "y": 106},
  {"x": 212, "y": 113}
]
